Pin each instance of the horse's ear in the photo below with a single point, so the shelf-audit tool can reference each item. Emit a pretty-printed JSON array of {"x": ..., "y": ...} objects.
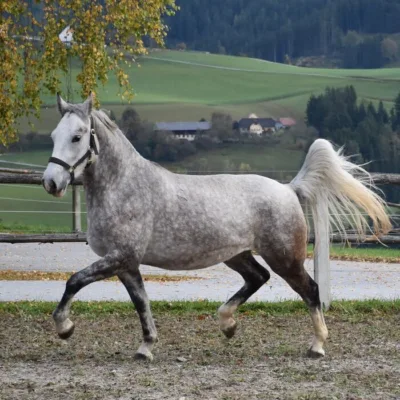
[
  {"x": 62, "y": 105},
  {"x": 88, "y": 104}
]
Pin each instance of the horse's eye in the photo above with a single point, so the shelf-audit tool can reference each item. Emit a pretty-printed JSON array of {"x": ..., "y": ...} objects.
[{"x": 76, "y": 138}]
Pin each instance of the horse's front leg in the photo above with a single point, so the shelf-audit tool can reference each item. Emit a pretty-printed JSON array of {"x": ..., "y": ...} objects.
[
  {"x": 101, "y": 269},
  {"x": 133, "y": 282}
]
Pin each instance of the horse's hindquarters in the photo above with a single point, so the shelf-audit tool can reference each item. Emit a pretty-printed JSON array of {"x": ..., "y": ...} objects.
[{"x": 282, "y": 235}]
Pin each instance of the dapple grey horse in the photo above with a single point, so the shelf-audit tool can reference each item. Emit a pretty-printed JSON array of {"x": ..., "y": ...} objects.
[{"x": 139, "y": 212}]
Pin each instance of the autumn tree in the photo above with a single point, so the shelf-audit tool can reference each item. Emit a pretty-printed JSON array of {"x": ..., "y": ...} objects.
[
  {"x": 395, "y": 114},
  {"x": 131, "y": 123},
  {"x": 389, "y": 49},
  {"x": 106, "y": 36},
  {"x": 221, "y": 125}
]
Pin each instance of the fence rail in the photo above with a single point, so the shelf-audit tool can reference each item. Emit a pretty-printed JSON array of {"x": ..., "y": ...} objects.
[
  {"x": 321, "y": 257},
  {"x": 81, "y": 237},
  {"x": 43, "y": 238},
  {"x": 26, "y": 176}
]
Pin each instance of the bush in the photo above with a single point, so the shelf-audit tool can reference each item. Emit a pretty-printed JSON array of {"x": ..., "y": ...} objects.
[
  {"x": 30, "y": 141},
  {"x": 130, "y": 123},
  {"x": 204, "y": 142}
]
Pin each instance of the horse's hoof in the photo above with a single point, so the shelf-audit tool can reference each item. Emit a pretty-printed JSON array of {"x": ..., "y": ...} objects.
[
  {"x": 315, "y": 353},
  {"x": 229, "y": 332},
  {"x": 68, "y": 333},
  {"x": 144, "y": 357}
]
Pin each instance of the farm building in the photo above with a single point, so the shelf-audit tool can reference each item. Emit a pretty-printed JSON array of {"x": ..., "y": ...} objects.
[
  {"x": 184, "y": 130},
  {"x": 258, "y": 126}
]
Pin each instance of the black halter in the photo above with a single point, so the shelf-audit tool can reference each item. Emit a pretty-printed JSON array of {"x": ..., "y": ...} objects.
[{"x": 88, "y": 155}]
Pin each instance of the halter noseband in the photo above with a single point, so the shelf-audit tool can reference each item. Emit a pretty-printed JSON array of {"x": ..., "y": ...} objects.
[{"x": 88, "y": 155}]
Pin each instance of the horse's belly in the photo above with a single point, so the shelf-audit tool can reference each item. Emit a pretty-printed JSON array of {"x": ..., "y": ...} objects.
[{"x": 194, "y": 260}]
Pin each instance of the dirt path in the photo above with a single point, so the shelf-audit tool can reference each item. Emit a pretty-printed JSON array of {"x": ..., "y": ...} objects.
[
  {"x": 349, "y": 280},
  {"x": 192, "y": 360}
]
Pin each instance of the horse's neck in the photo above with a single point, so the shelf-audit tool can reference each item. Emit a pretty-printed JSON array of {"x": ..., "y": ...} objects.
[{"x": 116, "y": 158}]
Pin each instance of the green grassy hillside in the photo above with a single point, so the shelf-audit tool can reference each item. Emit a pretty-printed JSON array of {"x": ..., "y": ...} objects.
[
  {"x": 29, "y": 208},
  {"x": 258, "y": 65},
  {"x": 172, "y": 85}
]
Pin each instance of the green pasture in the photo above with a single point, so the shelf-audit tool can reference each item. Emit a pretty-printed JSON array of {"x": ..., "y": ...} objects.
[
  {"x": 258, "y": 65},
  {"x": 173, "y": 85},
  {"x": 273, "y": 161},
  {"x": 28, "y": 208},
  {"x": 36, "y": 158}
]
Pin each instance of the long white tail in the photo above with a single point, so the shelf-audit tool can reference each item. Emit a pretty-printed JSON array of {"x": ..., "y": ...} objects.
[{"x": 326, "y": 182}]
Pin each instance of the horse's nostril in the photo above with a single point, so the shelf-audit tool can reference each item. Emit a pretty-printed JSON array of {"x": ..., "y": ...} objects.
[
  {"x": 49, "y": 185},
  {"x": 52, "y": 185}
]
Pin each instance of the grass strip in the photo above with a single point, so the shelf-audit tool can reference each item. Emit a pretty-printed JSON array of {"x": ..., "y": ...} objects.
[
  {"x": 20, "y": 229},
  {"x": 92, "y": 308},
  {"x": 11, "y": 275},
  {"x": 377, "y": 254}
]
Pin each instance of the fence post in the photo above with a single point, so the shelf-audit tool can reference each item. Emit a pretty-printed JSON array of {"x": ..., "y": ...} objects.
[
  {"x": 322, "y": 274},
  {"x": 76, "y": 209}
]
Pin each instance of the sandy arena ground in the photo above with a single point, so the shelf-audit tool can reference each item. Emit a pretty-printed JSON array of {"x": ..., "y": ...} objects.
[{"x": 265, "y": 360}]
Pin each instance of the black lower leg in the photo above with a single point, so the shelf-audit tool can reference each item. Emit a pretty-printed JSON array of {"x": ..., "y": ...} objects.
[
  {"x": 306, "y": 287},
  {"x": 254, "y": 275},
  {"x": 133, "y": 283},
  {"x": 101, "y": 269}
]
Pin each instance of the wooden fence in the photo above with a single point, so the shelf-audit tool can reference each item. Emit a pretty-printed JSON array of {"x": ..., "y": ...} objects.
[{"x": 321, "y": 257}]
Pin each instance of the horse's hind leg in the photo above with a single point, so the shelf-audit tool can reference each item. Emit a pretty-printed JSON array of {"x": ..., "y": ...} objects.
[
  {"x": 296, "y": 276},
  {"x": 101, "y": 269},
  {"x": 133, "y": 283},
  {"x": 254, "y": 275}
]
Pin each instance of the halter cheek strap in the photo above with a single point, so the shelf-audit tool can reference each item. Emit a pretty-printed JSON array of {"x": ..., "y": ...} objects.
[{"x": 93, "y": 150}]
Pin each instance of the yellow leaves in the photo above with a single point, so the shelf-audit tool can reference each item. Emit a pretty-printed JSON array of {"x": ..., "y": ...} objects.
[{"x": 106, "y": 33}]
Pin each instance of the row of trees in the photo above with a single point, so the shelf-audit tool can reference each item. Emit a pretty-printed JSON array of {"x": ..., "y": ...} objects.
[
  {"x": 368, "y": 52},
  {"x": 366, "y": 130},
  {"x": 280, "y": 30}
]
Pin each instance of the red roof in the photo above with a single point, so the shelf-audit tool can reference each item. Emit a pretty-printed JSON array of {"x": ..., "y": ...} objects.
[{"x": 287, "y": 121}]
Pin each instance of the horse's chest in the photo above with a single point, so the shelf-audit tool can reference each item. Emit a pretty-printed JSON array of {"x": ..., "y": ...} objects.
[
  {"x": 97, "y": 235},
  {"x": 117, "y": 225},
  {"x": 102, "y": 230}
]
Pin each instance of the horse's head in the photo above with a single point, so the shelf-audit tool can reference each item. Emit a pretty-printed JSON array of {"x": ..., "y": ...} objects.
[{"x": 74, "y": 145}]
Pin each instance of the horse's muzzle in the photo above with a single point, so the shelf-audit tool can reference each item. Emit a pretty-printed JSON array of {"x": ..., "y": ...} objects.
[{"x": 51, "y": 187}]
